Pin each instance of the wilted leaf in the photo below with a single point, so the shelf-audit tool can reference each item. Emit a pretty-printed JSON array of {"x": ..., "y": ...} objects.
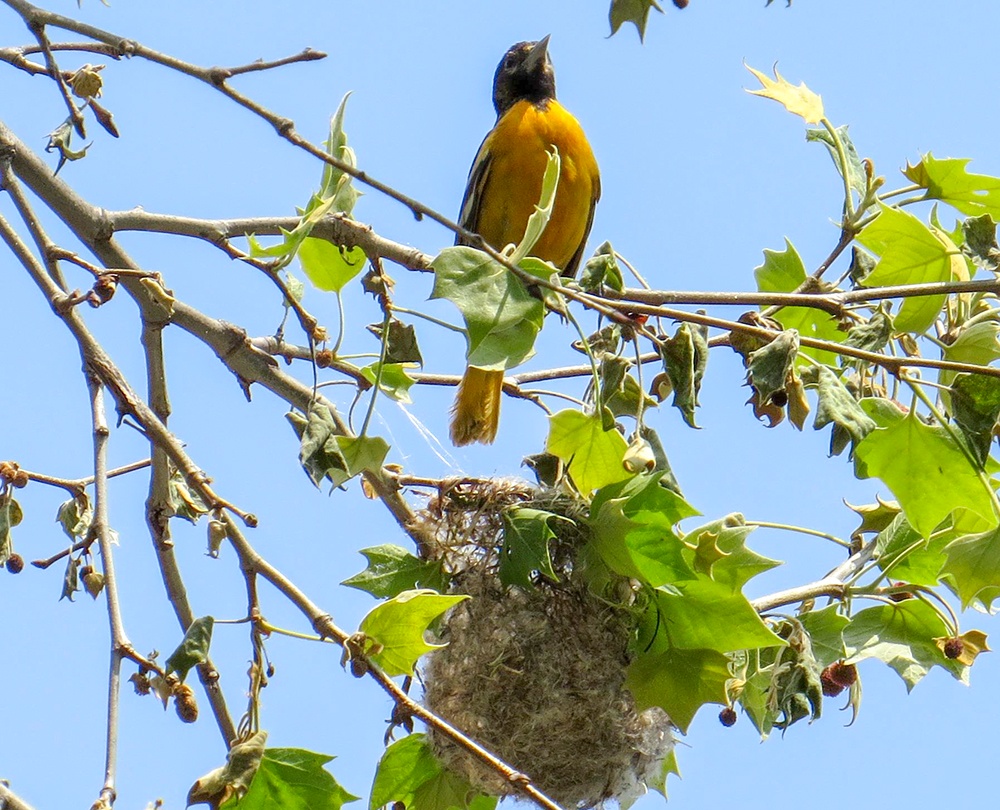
[{"x": 193, "y": 650}]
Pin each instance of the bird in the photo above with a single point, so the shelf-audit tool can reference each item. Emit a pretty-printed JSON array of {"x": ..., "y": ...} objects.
[{"x": 504, "y": 186}]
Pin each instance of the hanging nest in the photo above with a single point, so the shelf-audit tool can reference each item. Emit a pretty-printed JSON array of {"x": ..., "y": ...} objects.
[{"x": 537, "y": 676}]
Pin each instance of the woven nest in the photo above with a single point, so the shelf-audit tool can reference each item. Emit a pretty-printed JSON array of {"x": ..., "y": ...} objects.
[{"x": 537, "y": 676}]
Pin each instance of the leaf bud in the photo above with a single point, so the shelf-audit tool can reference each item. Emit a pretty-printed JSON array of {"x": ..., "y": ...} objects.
[
  {"x": 216, "y": 535},
  {"x": 87, "y": 81}
]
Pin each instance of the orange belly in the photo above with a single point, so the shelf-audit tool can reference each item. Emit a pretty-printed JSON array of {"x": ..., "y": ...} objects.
[{"x": 518, "y": 147}]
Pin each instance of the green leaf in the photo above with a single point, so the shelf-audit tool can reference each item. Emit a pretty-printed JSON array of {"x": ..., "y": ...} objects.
[
  {"x": 702, "y": 614},
  {"x": 592, "y": 454},
  {"x": 328, "y": 266},
  {"x": 398, "y": 626},
  {"x": 685, "y": 357},
  {"x": 980, "y": 236},
  {"x": 927, "y": 472},
  {"x": 401, "y": 344},
  {"x": 71, "y": 577},
  {"x": 392, "y": 570},
  {"x": 525, "y": 549},
  {"x": 336, "y": 185},
  {"x": 771, "y": 365},
  {"x": 539, "y": 218},
  {"x": 911, "y": 253},
  {"x": 185, "y": 502},
  {"x": 907, "y": 557},
  {"x": 975, "y": 404},
  {"x": 602, "y": 270},
  {"x": 826, "y": 633},
  {"x": 632, "y": 529},
  {"x": 501, "y": 317},
  {"x": 409, "y": 773},
  {"x": 947, "y": 180},
  {"x": 784, "y": 271},
  {"x": 973, "y": 567},
  {"x": 193, "y": 650},
  {"x": 855, "y": 173},
  {"x": 394, "y": 381},
  {"x": 294, "y": 779},
  {"x": 836, "y": 405},
  {"x": 319, "y": 451},
  {"x": 737, "y": 564},
  {"x": 902, "y": 635},
  {"x": 74, "y": 516},
  {"x": 871, "y": 336},
  {"x": 979, "y": 343},
  {"x": 363, "y": 453},
  {"x": 678, "y": 681},
  {"x": 633, "y": 11}
]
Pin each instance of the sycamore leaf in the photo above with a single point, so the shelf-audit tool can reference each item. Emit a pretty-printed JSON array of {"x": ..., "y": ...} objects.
[
  {"x": 911, "y": 253},
  {"x": 602, "y": 270},
  {"x": 799, "y": 100},
  {"x": 633, "y": 11},
  {"x": 825, "y": 629},
  {"x": 401, "y": 342},
  {"x": 907, "y": 557},
  {"x": 737, "y": 564},
  {"x": 702, "y": 614},
  {"x": 525, "y": 549},
  {"x": 685, "y": 357},
  {"x": 973, "y": 567},
  {"x": 947, "y": 180},
  {"x": 871, "y": 335},
  {"x": 398, "y": 626},
  {"x": 784, "y": 271},
  {"x": 539, "y": 218},
  {"x": 632, "y": 529},
  {"x": 902, "y": 635},
  {"x": 193, "y": 650},
  {"x": 678, "y": 681},
  {"x": 410, "y": 774},
  {"x": 393, "y": 381},
  {"x": 362, "y": 453},
  {"x": 319, "y": 452},
  {"x": 392, "y": 570},
  {"x": 294, "y": 779},
  {"x": 836, "y": 405},
  {"x": 501, "y": 317},
  {"x": 979, "y": 344},
  {"x": 74, "y": 516},
  {"x": 855, "y": 172},
  {"x": 592, "y": 454},
  {"x": 771, "y": 365},
  {"x": 328, "y": 266},
  {"x": 946, "y": 480},
  {"x": 975, "y": 404},
  {"x": 980, "y": 237}
]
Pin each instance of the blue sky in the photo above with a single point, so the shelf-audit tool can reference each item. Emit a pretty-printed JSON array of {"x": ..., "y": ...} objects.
[{"x": 698, "y": 178}]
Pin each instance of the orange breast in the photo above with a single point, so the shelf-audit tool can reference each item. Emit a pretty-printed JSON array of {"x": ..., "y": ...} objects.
[{"x": 518, "y": 147}]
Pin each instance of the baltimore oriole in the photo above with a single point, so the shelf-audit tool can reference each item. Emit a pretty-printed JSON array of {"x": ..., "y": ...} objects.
[{"x": 504, "y": 186}]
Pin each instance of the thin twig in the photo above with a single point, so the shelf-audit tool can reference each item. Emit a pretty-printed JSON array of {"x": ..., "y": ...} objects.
[{"x": 101, "y": 528}]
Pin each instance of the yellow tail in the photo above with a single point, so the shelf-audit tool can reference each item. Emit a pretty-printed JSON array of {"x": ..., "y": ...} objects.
[{"x": 476, "y": 412}]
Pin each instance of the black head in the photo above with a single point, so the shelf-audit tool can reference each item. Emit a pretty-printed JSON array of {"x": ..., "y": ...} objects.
[{"x": 524, "y": 73}]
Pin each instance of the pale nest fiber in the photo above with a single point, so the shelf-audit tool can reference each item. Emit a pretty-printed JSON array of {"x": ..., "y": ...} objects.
[{"x": 537, "y": 677}]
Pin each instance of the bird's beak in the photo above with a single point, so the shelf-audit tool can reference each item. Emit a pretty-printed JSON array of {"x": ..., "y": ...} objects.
[{"x": 538, "y": 55}]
